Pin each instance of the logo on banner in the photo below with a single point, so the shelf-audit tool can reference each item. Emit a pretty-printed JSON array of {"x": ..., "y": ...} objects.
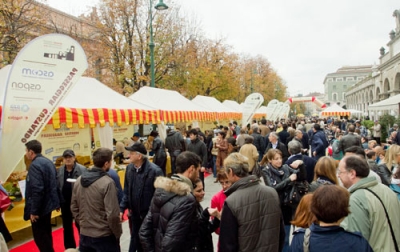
[
  {"x": 29, "y": 87},
  {"x": 41, "y": 76},
  {"x": 37, "y": 73},
  {"x": 66, "y": 55}
]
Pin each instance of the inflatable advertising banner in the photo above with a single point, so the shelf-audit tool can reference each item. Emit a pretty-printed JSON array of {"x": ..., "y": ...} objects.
[
  {"x": 43, "y": 73},
  {"x": 251, "y": 104}
]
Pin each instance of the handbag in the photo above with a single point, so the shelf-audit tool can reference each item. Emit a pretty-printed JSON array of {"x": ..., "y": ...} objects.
[
  {"x": 297, "y": 191},
  {"x": 5, "y": 201}
]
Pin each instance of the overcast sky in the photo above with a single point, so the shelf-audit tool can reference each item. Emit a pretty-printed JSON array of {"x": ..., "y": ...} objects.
[{"x": 302, "y": 39}]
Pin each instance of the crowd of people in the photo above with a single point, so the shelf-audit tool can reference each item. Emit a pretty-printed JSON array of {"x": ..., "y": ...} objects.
[{"x": 347, "y": 186}]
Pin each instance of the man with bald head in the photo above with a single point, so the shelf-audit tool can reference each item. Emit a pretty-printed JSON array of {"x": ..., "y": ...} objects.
[{"x": 368, "y": 202}]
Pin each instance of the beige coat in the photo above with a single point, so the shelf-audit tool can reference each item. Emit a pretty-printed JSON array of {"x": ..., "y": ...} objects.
[{"x": 250, "y": 151}]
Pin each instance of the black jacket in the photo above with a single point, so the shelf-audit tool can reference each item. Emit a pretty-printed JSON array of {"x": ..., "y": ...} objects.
[
  {"x": 258, "y": 141},
  {"x": 175, "y": 143},
  {"x": 279, "y": 179},
  {"x": 282, "y": 148},
  {"x": 42, "y": 194},
  {"x": 205, "y": 227},
  {"x": 384, "y": 173},
  {"x": 199, "y": 147},
  {"x": 139, "y": 206},
  {"x": 349, "y": 140},
  {"x": 171, "y": 223}
]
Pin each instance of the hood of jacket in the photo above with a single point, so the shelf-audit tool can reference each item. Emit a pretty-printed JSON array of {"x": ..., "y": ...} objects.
[
  {"x": 364, "y": 183},
  {"x": 167, "y": 188},
  {"x": 248, "y": 181},
  {"x": 91, "y": 176},
  {"x": 171, "y": 133}
]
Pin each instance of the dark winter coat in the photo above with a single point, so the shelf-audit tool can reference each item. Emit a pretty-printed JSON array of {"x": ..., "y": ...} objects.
[
  {"x": 199, "y": 147},
  {"x": 251, "y": 218},
  {"x": 41, "y": 193},
  {"x": 309, "y": 164},
  {"x": 170, "y": 224},
  {"x": 77, "y": 171},
  {"x": 384, "y": 173},
  {"x": 139, "y": 201},
  {"x": 206, "y": 227},
  {"x": 280, "y": 181},
  {"x": 282, "y": 148},
  {"x": 349, "y": 140},
  {"x": 258, "y": 141},
  {"x": 175, "y": 143},
  {"x": 330, "y": 239}
]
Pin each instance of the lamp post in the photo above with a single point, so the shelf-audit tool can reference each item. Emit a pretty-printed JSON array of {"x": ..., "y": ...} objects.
[{"x": 160, "y": 6}]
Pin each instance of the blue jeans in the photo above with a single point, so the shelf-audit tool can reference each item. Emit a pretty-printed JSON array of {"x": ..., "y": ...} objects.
[
  {"x": 214, "y": 165},
  {"x": 99, "y": 244},
  {"x": 286, "y": 243}
]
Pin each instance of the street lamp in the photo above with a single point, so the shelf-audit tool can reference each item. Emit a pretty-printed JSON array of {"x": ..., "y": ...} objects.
[{"x": 160, "y": 6}]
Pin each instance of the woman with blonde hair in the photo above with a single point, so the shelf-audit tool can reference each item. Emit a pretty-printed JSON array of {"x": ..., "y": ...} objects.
[
  {"x": 324, "y": 173},
  {"x": 389, "y": 164}
]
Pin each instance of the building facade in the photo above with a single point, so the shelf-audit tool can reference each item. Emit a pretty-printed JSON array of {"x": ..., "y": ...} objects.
[
  {"x": 336, "y": 84},
  {"x": 384, "y": 81}
]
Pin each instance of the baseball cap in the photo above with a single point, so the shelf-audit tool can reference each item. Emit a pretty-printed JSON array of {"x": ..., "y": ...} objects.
[
  {"x": 395, "y": 125},
  {"x": 137, "y": 147},
  {"x": 136, "y": 134},
  {"x": 68, "y": 153}
]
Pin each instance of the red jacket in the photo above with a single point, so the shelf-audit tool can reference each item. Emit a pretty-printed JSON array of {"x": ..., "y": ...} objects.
[{"x": 217, "y": 201}]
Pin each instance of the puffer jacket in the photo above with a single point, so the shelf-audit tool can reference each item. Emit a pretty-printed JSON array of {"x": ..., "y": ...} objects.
[
  {"x": 170, "y": 224},
  {"x": 368, "y": 216},
  {"x": 94, "y": 204},
  {"x": 251, "y": 219},
  {"x": 41, "y": 193}
]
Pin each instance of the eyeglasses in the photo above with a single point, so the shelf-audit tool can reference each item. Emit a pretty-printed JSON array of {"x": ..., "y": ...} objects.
[
  {"x": 225, "y": 183},
  {"x": 338, "y": 172}
]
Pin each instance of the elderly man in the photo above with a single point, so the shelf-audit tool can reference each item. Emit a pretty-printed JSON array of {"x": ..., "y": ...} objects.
[
  {"x": 70, "y": 170},
  {"x": 274, "y": 143},
  {"x": 294, "y": 148},
  {"x": 138, "y": 190},
  {"x": 251, "y": 218},
  {"x": 372, "y": 205}
]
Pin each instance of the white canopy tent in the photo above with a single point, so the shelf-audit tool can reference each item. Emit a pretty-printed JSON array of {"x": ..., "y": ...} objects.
[
  {"x": 175, "y": 107},
  {"x": 233, "y": 105},
  {"x": 391, "y": 103},
  {"x": 335, "y": 110},
  {"x": 213, "y": 104}
]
